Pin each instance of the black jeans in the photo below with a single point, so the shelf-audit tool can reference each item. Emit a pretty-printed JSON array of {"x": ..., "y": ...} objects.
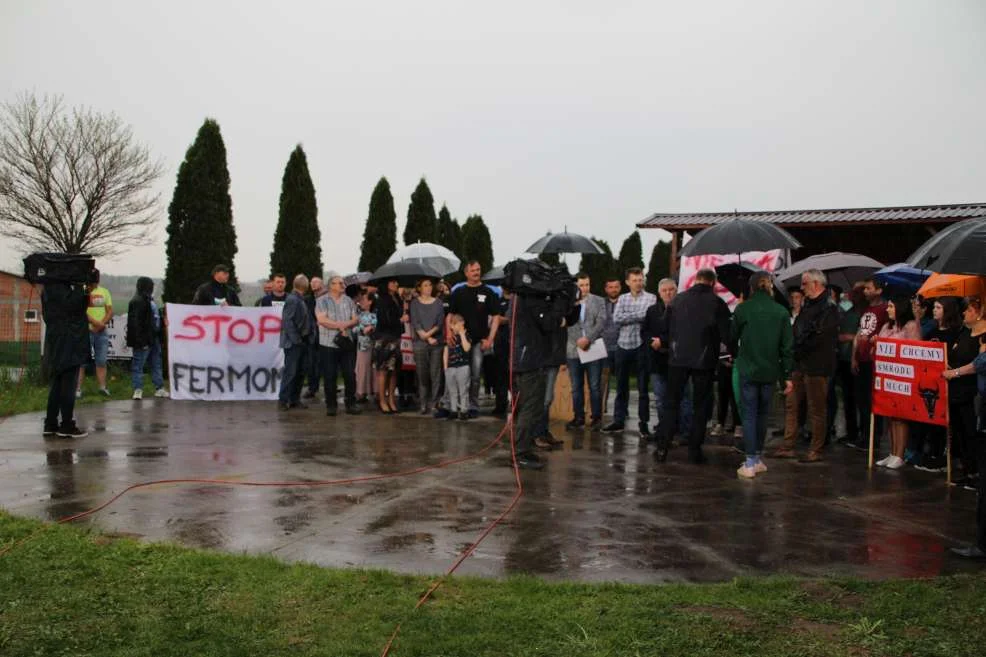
[
  {"x": 291, "y": 375},
  {"x": 962, "y": 421},
  {"x": 313, "y": 368},
  {"x": 726, "y": 401},
  {"x": 632, "y": 361},
  {"x": 844, "y": 379},
  {"x": 530, "y": 386},
  {"x": 702, "y": 384},
  {"x": 334, "y": 361},
  {"x": 61, "y": 397}
]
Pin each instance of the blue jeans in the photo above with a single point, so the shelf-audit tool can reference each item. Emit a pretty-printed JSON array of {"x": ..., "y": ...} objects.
[
  {"x": 755, "y": 398},
  {"x": 577, "y": 372},
  {"x": 140, "y": 358},
  {"x": 631, "y": 361},
  {"x": 659, "y": 382}
]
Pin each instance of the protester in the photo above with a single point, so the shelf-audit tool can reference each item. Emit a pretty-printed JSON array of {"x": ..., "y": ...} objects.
[
  {"x": 428, "y": 330},
  {"x": 900, "y": 324},
  {"x": 870, "y": 322},
  {"x": 365, "y": 374},
  {"x": 816, "y": 332},
  {"x": 296, "y": 332},
  {"x": 797, "y": 299},
  {"x": 611, "y": 334},
  {"x": 697, "y": 323},
  {"x": 99, "y": 314},
  {"x": 268, "y": 286},
  {"x": 277, "y": 296},
  {"x": 580, "y": 337},
  {"x": 218, "y": 291},
  {"x": 655, "y": 325},
  {"x": 727, "y": 412},
  {"x": 337, "y": 316},
  {"x": 978, "y": 368},
  {"x": 477, "y": 303},
  {"x": 924, "y": 315},
  {"x": 962, "y": 351},
  {"x": 762, "y": 329},
  {"x": 66, "y": 349},
  {"x": 629, "y": 313},
  {"x": 848, "y": 327},
  {"x": 388, "y": 308},
  {"x": 456, "y": 361},
  {"x": 930, "y": 441},
  {"x": 313, "y": 367},
  {"x": 144, "y": 337}
]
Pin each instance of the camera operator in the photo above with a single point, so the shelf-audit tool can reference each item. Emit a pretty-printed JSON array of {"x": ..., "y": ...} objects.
[
  {"x": 64, "y": 307},
  {"x": 535, "y": 318}
]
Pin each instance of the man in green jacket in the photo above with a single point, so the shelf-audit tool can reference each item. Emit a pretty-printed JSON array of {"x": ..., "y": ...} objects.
[{"x": 762, "y": 328}]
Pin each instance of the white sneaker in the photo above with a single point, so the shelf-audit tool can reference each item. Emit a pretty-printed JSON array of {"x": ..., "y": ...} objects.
[
  {"x": 895, "y": 463},
  {"x": 138, "y": 394},
  {"x": 760, "y": 467},
  {"x": 883, "y": 462},
  {"x": 747, "y": 472},
  {"x": 162, "y": 392},
  {"x": 78, "y": 394}
]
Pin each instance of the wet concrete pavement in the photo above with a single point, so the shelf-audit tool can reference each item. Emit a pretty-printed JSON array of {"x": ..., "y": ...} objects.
[{"x": 601, "y": 511}]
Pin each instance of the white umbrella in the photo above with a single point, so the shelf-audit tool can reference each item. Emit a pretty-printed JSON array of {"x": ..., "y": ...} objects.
[{"x": 435, "y": 256}]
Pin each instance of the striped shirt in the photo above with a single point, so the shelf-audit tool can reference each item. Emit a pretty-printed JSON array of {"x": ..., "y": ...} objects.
[{"x": 629, "y": 315}]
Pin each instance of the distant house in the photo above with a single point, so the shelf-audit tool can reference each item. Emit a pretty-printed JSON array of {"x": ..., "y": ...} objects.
[
  {"x": 887, "y": 234},
  {"x": 20, "y": 319}
]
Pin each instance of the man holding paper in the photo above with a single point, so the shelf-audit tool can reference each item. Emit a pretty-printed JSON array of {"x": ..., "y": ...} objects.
[{"x": 585, "y": 354}]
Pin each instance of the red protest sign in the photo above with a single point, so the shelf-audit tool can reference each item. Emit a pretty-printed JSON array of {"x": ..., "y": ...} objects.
[{"x": 907, "y": 381}]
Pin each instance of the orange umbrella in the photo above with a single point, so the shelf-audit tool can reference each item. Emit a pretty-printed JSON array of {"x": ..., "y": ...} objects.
[{"x": 953, "y": 285}]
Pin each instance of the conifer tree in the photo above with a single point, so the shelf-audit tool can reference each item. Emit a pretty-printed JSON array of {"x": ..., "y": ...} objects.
[
  {"x": 421, "y": 223},
  {"x": 447, "y": 232},
  {"x": 380, "y": 234},
  {"x": 659, "y": 266},
  {"x": 631, "y": 255},
  {"x": 476, "y": 242},
  {"x": 599, "y": 267},
  {"x": 297, "y": 240},
  {"x": 200, "y": 217}
]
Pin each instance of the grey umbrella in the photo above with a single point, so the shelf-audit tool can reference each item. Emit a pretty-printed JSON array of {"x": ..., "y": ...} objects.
[
  {"x": 959, "y": 249},
  {"x": 842, "y": 269},
  {"x": 565, "y": 242},
  {"x": 739, "y": 236},
  {"x": 405, "y": 272},
  {"x": 434, "y": 255}
]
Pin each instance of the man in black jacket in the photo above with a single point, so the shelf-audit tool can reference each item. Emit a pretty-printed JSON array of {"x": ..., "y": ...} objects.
[
  {"x": 63, "y": 306},
  {"x": 655, "y": 325},
  {"x": 534, "y": 319},
  {"x": 216, "y": 292},
  {"x": 144, "y": 337},
  {"x": 816, "y": 339},
  {"x": 697, "y": 322}
]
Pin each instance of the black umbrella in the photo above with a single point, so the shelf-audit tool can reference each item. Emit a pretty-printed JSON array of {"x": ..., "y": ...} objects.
[
  {"x": 565, "y": 243},
  {"x": 494, "y": 276},
  {"x": 959, "y": 249},
  {"x": 739, "y": 236},
  {"x": 406, "y": 272},
  {"x": 735, "y": 277}
]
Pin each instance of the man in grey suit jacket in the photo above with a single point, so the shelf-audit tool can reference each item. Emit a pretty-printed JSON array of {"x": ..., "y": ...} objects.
[
  {"x": 296, "y": 333},
  {"x": 589, "y": 328}
]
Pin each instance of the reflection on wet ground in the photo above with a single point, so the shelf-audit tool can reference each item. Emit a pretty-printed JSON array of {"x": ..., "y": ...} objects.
[{"x": 602, "y": 510}]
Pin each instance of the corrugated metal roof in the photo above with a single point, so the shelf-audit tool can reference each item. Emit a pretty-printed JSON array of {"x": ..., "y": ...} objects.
[{"x": 912, "y": 214}]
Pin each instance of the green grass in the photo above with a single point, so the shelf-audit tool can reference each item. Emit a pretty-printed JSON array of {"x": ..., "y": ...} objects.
[
  {"x": 72, "y": 592},
  {"x": 29, "y": 396}
]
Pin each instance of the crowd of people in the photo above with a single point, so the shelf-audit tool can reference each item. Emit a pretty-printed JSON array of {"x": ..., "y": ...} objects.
[{"x": 816, "y": 352}]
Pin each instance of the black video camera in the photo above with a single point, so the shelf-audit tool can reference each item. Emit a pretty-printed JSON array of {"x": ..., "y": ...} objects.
[{"x": 60, "y": 268}]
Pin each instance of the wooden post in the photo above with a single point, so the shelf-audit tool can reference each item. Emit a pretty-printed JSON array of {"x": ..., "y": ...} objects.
[
  {"x": 869, "y": 458},
  {"x": 676, "y": 237}
]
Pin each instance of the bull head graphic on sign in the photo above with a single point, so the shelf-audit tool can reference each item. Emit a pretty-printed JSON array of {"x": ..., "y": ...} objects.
[{"x": 928, "y": 388}]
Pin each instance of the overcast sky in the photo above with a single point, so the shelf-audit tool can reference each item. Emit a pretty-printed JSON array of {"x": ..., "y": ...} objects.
[{"x": 535, "y": 114}]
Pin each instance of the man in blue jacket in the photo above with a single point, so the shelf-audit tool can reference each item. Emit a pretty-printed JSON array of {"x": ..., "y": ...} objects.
[{"x": 296, "y": 332}]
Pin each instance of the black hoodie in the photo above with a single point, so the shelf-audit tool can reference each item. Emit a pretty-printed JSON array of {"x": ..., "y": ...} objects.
[{"x": 140, "y": 316}]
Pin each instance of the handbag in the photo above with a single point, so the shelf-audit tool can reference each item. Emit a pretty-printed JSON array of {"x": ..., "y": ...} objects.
[{"x": 344, "y": 342}]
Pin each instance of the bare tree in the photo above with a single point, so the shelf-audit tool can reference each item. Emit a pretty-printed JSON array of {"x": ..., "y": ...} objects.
[{"x": 73, "y": 180}]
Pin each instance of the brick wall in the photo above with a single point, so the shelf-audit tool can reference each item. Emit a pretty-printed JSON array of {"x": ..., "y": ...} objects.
[{"x": 17, "y": 296}]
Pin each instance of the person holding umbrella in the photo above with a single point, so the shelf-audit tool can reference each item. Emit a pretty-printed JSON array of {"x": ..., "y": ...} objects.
[{"x": 387, "y": 344}]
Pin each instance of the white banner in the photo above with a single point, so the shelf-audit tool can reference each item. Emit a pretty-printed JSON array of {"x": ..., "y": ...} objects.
[
  {"x": 224, "y": 353},
  {"x": 116, "y": 332},
  {"x": 767, "y": 260}
]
